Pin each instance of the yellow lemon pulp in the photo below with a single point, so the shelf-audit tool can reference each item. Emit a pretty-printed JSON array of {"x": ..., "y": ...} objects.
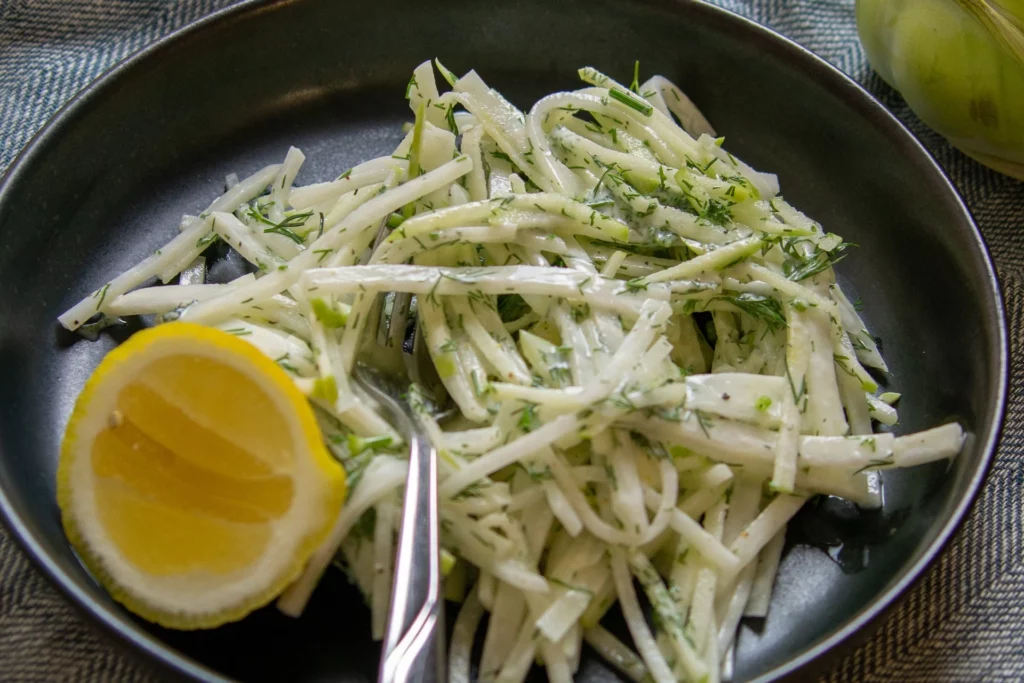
[{"x": 193, "y": 480}]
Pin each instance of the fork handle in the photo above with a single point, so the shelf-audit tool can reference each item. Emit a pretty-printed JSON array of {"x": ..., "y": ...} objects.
[{"x": 413, "y": 649}]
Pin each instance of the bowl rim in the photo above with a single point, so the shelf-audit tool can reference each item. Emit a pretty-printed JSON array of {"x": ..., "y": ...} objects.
[{"x": 828, "y": 76}]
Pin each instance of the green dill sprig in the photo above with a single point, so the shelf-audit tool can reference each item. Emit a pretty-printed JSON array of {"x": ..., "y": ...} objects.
[
  {"x": 635, "y": 85},
  {"x": 631, "y": 101},
  {"x": 759, "y": 307},
  {"x": 445, "y": 72},
  {"x": 801, "y": 266},
  {"x": 206, "y": 241},
  {"x": 367, "y": 524},
  {"x": 283, "y": 362},
  {"x": 414, "y": 155},
  {"x": 580, "y": 313},
  {"x": 101, "y": 293},
  {"x": 797, "y": 395},
  {"x": 528, "y": 420},
  {"x": 285, "y": 232},
  {"x": 512, "y": 307},
  {"x": 285, "y": 227},
  {"x": 637, "y": 284},
  {"x": 449, "y": 119}
]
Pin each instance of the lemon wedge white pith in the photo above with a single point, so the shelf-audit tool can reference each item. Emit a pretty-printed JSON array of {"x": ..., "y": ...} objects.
[{"x": 193, "y": 480}]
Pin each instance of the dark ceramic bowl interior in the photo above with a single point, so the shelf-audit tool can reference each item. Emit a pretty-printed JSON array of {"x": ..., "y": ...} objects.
[{"x": 106, "y": 182}]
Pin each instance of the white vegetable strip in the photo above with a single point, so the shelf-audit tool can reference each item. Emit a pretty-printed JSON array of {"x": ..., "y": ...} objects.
[
  {"x": 290, "y": 352},
  {"x": 680, "y": 142},
  {"x": 523, "y": 447},
  {"x": 168, "y": 297},
  {"x": 707, "y": 545},
  {"x": 386, "y": 474},
  {"x": 512, "y": 571},
  {"x": 738, "y": 396},
  {"x": 880, "y": 411},
  {"x": 502, "y": 630},
  {"x": 735, "y": 605},
  {"x": 473, "y": 441},
  {"x": 645, "y": 644},
  {"x": 855, "y": 403},
  {"x": 486, "y": 588},
  {"x": 422, "y": 91},
  {"x": 181, "y": 249},
  {"x": 616, "y": 653},
  {"x": 692, "y": 121},
  {"x": 281, "y": 185},
  {"x": 669, "y": 615},
  {"x": 383, "y": 543},
  {"x": 564, "y": 425},
  {"x": 240, "y": 237},
  {"x": 665, "y": 509},
  {"x": 494, "y": 280},
  {"x": 309, "y": 196},
  {"x": 368, "y": 214},
  {"x": 933, "y": 444},
  {"x": 618, "y": 451},
  {"x": 652, "y": 317},
  {"x": 232, "y": 200},
  {"x": 476, "y": 180},
  {"x": 565, "y": 180},
  {"x": 864, "y": 342},
  {"x": 824, "y": 414},
  {"x": 443, "y": 349},
  {"x": 557, "y": 666},
  {"x": 771, "y": 520},
  {"x": 564, "y": 612},
  {"x": 702, "y": 613},
  {"x": 591, "y": 521},
  {"x": 712, "y": 260},
  {"x": 508, "y": 367},
  {"x": 562, "y": 508},
  {"x": 794, "y": 402},
  {"x": 463, "y": 636},
  {"x": 764, "y": 578},
  {"x": 516, "y": 665}
]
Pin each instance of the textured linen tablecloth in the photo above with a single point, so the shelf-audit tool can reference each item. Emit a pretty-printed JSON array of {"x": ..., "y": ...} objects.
[{"x": 963, "y": 622}]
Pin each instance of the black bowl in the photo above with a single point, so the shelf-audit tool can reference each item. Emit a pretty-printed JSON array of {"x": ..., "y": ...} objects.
[{"x": 107, "y": 180}]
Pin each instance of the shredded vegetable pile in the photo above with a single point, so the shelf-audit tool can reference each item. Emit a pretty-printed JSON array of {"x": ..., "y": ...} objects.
[{"x": 652, "y": 363}]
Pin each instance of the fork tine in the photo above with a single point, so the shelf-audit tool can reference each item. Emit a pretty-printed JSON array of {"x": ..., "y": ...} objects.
[
  {"x": 394, "y": 318},
  {"x": 388, "y": 306},
  {"x": 399, "y": 322},
  {"x": 384, "y": 308},
  {"x": 382, "y": 232},
  {"x": 413, "y": 649}
]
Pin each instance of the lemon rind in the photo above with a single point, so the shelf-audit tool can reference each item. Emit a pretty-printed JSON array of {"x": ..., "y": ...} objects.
[{"x": 197, "y": 338}]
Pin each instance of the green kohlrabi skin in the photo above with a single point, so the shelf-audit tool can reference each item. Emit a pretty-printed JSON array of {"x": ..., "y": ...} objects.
[{"x": 960, "y": 66}]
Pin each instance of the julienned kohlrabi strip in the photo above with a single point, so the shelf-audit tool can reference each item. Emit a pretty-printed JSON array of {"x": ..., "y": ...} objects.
[{"x": 650, "y": 362}]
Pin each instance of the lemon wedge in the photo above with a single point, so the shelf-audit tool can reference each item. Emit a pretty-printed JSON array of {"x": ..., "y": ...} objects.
[{"x": 193, "y": 479}]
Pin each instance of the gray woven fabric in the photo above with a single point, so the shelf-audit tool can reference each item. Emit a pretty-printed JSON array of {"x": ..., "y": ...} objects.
[{"x": 962, "y": 623}]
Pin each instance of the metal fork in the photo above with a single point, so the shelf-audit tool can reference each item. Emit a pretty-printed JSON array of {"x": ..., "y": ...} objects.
[{"x": 413, "y": 649}]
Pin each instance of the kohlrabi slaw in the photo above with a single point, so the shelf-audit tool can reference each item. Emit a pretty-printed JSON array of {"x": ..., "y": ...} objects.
[{"x": 652, "y": 363}]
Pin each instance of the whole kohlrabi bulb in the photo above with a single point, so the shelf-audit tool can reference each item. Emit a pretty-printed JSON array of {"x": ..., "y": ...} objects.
[{"x": 960, "y": 66}]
